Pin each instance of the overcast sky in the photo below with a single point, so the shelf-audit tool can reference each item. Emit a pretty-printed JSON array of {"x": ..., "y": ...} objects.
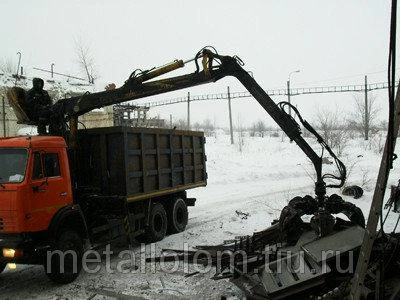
[{"x": 331, "y": 42}]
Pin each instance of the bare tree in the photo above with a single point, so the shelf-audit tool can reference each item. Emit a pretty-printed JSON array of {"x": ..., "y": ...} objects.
[
  {"x": 364, "y": 116},
  {"x": 8, "y": 66},
  {"x": 196, "y": 126},
  {"x": 181, "y": 124},
  {"x": 326, "y": 122},
  {"x": 208, "y": 127},
  {"x": 260, "y": 127},
  {"x": 240, "y": 128},
  {"x": 85, "y": 59},
  {"x": 333, "y": 130}
]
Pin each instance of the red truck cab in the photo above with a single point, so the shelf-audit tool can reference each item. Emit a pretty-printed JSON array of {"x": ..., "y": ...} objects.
[
  {"x": 35, "y": 185},
  {"x": 35, "y": 182}
]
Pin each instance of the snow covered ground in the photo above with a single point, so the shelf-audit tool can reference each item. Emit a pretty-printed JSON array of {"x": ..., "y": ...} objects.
[{"x": 259, "y": 181}]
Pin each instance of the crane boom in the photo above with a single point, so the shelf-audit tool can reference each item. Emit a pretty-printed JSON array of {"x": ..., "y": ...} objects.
[{"x": 142, "y": 85}]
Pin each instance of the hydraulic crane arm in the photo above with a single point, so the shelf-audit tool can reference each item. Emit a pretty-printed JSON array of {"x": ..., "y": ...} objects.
[
  {"x": 139, "y": 86},
  {"x": 130, "y": 91},
  {"x": 214, "y": 67}
]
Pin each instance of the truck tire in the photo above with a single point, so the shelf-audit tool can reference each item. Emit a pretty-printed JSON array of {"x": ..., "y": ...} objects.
[
  {"x": 158, "y": 224},
  {"x": 67, "y": 241},
  {"x": 177, "y": 216}
]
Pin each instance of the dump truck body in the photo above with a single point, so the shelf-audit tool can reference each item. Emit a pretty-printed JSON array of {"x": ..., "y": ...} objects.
[{"x": 140, "y": 163}]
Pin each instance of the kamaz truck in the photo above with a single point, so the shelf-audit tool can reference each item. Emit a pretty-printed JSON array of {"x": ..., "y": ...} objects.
[{"x": 75, "y": 189}]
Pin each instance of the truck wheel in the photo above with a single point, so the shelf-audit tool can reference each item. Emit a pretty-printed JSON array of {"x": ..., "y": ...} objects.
[
  {"x": 178, "y": 216},
  {"x": 67, "y": 251},
  {"x": 157, "y": 225}
]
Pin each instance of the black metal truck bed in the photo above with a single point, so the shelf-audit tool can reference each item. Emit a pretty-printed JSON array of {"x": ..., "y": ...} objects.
[{"x": 140, "y": 163}]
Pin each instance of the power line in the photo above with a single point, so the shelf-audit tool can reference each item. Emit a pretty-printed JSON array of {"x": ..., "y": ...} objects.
[
  {"x": 61, "y": 74},
  {"x": 274, "y": 92},
  {"x": 345, "y": 77}
]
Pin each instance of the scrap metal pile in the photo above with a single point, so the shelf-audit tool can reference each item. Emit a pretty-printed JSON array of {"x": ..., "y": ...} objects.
[{"x": 291, "y": 258}]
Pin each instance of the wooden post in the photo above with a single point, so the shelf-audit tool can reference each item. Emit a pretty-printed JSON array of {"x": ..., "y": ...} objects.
[
  {"x": 374, "y": 213},
  {"x": 230, "y": 116}
]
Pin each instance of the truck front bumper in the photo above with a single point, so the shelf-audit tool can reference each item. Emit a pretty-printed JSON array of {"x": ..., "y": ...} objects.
[{"x": 21, "y": 248}]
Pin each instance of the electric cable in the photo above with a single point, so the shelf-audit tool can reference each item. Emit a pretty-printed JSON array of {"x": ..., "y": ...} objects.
[{"x": 339, "y": 164}]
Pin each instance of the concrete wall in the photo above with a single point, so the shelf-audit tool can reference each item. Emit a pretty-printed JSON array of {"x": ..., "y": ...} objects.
[{"x": 97, "y": 118}]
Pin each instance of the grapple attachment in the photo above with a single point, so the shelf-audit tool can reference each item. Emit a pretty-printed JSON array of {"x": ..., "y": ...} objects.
[{"x": 16, "y": 98}]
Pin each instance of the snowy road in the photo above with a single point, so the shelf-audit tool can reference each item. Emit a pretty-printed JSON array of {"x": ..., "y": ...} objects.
[{"x": 258, "y": 181}]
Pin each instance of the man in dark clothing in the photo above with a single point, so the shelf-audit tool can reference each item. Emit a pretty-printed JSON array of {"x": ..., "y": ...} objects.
[{"x": 38, "y": 103}]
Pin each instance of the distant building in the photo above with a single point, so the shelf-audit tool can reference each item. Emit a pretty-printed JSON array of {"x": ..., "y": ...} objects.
[
  {"x": 135, "y": 116},
  {"x": 97, "y": 118}
]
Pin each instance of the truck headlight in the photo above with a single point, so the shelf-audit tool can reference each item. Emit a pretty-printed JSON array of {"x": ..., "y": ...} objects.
[{"x": 11, "y": 253}]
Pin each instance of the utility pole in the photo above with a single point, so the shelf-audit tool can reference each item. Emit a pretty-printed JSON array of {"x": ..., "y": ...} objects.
[
  {"x": 288, "y": 90},
  {"x": 366, "y": 116},
  {"x": 52, "y": 70},
  {"x": 188, "y": 111},
  {"x": 288, "y": 97},
  {"x": 230, "y": 115},
  {"x": 19, "y": 63},
  {"x": 4, "y": 116},
  {"x": 170, "y": 121}
]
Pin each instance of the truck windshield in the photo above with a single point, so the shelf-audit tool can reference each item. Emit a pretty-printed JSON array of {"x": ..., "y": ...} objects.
[{"x": 12, "y": 165}]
